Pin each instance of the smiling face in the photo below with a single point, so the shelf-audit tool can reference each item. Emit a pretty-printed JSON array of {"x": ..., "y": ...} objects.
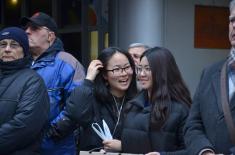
[
  {"x": 10, "y": 50},
  {"x": 118, "y": 74},
  {"x": 145, "y": 74}
]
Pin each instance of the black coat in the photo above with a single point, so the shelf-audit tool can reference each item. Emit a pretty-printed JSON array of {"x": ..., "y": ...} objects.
[
  {"x": 84, "y": 108},
  {"x": 24, "y": 108},
  {"x": 138, "y": 138},
  {"x": 206, "y": 127}
]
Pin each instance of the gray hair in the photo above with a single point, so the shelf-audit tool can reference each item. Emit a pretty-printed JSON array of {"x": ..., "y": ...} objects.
[
  {"x": 232, "y": 5},
  {"x": 138, "y": 45}
]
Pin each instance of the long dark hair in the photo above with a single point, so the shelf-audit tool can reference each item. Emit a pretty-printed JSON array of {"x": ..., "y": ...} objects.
[
  {"x": 168, "y": 84},
  {"x": 102, "y": 92}
]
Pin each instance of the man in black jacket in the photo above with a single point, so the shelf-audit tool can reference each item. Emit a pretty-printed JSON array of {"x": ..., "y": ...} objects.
[
  {"x": 206, "y": 131},
  {"x": 24, "y": 103}
]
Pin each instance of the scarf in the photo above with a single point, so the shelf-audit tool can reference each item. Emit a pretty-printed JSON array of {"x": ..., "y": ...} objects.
[{"x": 16, "y": 65}]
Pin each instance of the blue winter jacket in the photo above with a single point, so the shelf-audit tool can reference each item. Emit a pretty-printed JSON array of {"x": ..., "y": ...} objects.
[{"x": 61, "y": 73}]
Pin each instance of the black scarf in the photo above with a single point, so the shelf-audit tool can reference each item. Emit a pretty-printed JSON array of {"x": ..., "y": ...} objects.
[{"x": 16, "y": 65}]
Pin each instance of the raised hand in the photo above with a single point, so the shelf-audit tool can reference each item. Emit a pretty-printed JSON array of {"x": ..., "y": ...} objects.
[{"x": 93, "y": 69}]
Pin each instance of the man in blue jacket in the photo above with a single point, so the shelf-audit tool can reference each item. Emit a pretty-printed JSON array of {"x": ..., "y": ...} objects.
[{"x": 61, "y": 73}]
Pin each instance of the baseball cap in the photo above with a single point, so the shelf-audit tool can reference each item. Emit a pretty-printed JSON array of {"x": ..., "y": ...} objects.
[{"x": 41, "y": 19}]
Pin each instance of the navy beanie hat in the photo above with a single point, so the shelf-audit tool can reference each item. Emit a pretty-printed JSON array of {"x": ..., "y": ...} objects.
[{"x": 18, "y": 35}]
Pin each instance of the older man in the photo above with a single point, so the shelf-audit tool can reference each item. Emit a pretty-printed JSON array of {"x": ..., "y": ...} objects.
[
  {"x": 207, "y": 129},
  {"x": 136, "y": 50},
  {"x": 24, "y": 102},
  {"x": 61, "y": 73}
]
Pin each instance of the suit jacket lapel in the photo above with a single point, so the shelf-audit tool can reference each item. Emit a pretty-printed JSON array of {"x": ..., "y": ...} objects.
[
  {"x": 216, "y": 86},
  {"x": 217, "y": 91}
]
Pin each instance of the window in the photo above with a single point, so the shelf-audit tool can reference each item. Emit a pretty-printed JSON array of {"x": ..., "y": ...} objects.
[
  {"x": 39, "y": 6},
  {"x": 70, "y": 14},
  {"x": 12, "y": 12},
  {"x": 72, "y": 44}
]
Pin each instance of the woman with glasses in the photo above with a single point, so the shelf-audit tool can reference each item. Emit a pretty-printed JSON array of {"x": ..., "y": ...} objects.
[
  {"x": 154, "y": 120},
  {"x": 109, "y": 84}
]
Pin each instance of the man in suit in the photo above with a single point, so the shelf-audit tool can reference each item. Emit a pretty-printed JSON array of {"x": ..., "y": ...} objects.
[{"x": 206, "y": 132}]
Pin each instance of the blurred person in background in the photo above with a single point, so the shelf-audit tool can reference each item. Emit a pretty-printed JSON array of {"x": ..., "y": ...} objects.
[{"x": 136, "y": 50}]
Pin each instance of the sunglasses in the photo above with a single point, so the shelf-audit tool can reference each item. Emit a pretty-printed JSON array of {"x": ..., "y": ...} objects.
[{"x": 34, "y": 27}]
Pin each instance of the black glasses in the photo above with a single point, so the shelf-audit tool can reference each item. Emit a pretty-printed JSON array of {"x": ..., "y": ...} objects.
[{"x": 117, "y": 71}]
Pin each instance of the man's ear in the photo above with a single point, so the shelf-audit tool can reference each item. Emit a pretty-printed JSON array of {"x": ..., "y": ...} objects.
[{"x": 51, "y": 37}]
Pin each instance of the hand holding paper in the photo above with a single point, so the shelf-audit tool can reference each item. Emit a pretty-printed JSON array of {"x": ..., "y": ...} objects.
[
  {"x": 103, "y": 134},
  {"x": 114, "y": 145}
]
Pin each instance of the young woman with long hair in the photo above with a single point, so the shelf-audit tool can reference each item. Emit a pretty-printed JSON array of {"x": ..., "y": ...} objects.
[
  {"x": 154, "y": 120},
  {"x": 108, "y": 86}
]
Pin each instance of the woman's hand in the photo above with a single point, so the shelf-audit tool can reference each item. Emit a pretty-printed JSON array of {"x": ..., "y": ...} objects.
[
  {"x": 93, "y": 69},
  {"x": 153, "y": 153},
  {"x": 114, "y": 144}
]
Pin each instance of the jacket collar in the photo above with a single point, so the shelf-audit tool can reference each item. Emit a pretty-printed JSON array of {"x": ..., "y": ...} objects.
[
  {"x": 14, "y": 66},
  {"x": 50, "y": 53},
  {"x": 140, "y": 99},
  {"x": 48, "y": 57}
]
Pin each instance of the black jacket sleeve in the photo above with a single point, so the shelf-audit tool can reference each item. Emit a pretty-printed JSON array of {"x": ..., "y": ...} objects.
[{"x": 79, "y": 106}]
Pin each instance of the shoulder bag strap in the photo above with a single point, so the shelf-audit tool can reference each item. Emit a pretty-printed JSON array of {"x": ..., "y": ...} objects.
[{"x": 225, "y": 104}]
